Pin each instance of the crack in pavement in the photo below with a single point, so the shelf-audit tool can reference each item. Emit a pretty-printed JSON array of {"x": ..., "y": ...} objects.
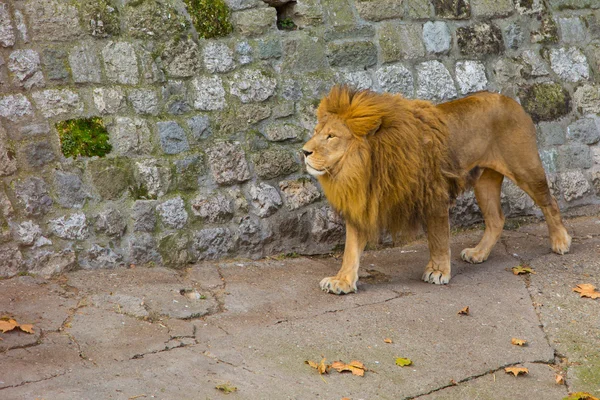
[{"x": 34, "y": 381}]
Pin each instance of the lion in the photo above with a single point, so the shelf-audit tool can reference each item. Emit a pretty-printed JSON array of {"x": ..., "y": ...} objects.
[{"x": 387, "y": 163}]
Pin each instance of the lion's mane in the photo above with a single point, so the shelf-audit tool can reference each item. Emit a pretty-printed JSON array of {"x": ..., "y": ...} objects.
[{"x": 398, "y": 167}]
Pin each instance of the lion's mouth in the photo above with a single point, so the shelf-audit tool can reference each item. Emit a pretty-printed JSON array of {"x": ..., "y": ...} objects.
[{"x": 314, "y": 171}]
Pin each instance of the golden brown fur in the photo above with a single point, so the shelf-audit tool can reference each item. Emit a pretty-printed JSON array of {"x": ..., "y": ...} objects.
[{"x": 386, "y": 162}]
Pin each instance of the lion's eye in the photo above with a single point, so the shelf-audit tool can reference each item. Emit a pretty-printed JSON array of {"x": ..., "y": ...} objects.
[{"x": 330, "y": 136}]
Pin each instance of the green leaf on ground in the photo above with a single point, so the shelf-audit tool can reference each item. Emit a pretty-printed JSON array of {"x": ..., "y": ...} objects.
[
  {"x": 519, "y": 270},
  {"x": 226, "y": 388},
  {"x": 403, "y": 362}
]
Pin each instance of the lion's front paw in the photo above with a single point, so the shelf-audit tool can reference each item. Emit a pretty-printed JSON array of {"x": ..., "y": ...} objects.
[
  {"x": 473, "y": 255},
  {"x": 337, "y": 286},
  {"x": 562, "y": 244},
  {"x": 436, "y": 276}
]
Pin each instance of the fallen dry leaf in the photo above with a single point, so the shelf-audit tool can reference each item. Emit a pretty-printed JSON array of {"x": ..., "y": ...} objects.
[
  {"x": 560, "y": 380},
  {"x": 345, "y": 398},
  {"x": 387, "y": 340},
  {"x": 464, "y": 311},
  {"x": 516, "y": 370},
  {"x": 580, "y": 396},
  {"x": 321, "y": 367},
  {"x": 518, "y": 342},
  {"x": 356, "y": 367},
  {"x": 522, "y": 270},
  {"x": 587, "y": 290},
  {"x": 403, "y": 362},
  {"x": 8, "y": 324},
  {"x": 226, "y": 388}
]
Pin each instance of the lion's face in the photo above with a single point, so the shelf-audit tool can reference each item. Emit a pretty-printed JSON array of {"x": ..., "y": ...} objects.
[{"x": 323, "y": 153}]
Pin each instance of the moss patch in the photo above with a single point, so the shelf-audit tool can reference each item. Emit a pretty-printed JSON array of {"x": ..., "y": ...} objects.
[
  {"x": 545, "y": 101},
  {"x": 210, "y": 17},
  {"x": 83, "y": 137},
  {"x": 100, "y": 17}
]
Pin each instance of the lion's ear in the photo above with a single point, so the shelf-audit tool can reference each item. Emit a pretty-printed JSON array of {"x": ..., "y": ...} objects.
[{"x": 364, "y": 126}]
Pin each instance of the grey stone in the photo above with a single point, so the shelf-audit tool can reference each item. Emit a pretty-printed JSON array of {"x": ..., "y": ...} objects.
[
  {"x": 172, "y": 137},
  {"x": 175, "y": 253},
  {"x": 7, "y": 34},
  {"x": 398, "y": 42},
  {"x": 38, "y": 154},
  {"x": 218, "y": 57},
  {"x": 537, "y": 66},
  {"x": 470, "y": 76},
  {"x": 479, "y": 39},
  {"x": 109, "y": 100},
  {"x": 569, "y": 64},
  {"x": 174, "y": 95},
  {"x": 53, "y": 19},
  {"x": 98, "y": 257},
  {"x": 152, "y": 177},
  {"x": 360, "y": 53},
  {"x": 378, "y": 10},
  {"x": 144, "y": 215},
  {"x": 252, "y": 85},
  {"x": 304, "y": 53},
  {"x": 188, "y": 171},
  {"x": 514, "y": 35},
  {"x": 213, "y": 209},
  {"x": 144, "y": 101},
  {"x": 274, "y": 162},
  {"x": 49, "y": 263},
  {"x": 208, "y": 93},
  {"x": 252, "y": 236},
  {"x": 418, "y": 9},
  {"x": 85, "y": 65},
  {"x": 269, "y": 48},
  {"x": 586, "y": 98},
  {"x": 15, "y": 107},
  {"x": 111, "y": 177},
  {"x": 575, "y": 156},
  {"x": 8, "y": 162},
  {"x": 279, "y": 131},
  {"x": 291, "y": 90},
  {"x": 551, "y": 133},
  {"x": 26, "y": 233},
  {"x": 130, "y": 136},
  {"x": 69, "y": 190},
  {"x": 110, "y": 222},
  {"x": 143, "y": 250},
  {"x": 244, "y": 52},
  {"x": 434, "y": 81},
  {"x": 32, "y": 193},
  {"x": 181, "y": 58},
  {"x": 152, "y": 19},
  {"x": 265, "y": 199},
  {"x": 492, "y": 8},
  {"x": 573, "y": 4},
  {"x": 72, "y": 227},
  {"x": 212, "y": 243},
  {"x": 256, "y": 22},
  {"x": 549, "y": 160},
  {"x": 359, "y": 80},
  {"x": 327, "y": 226},
  {"x": 120, "y": 63},
  {"x": 55, "y": 64},
  {"x": 339, "y": 14},
  {"x": 55, "y": 103},
  {"x": 25, "y": 65},
  {"x": 35, "y": 129},
  {"x": 240, "y": 203},
  {"x": 227, "y": 163},
  {"x": 200, "y": 127},
  {"x": 172, "y": 213},
  {"x": 572, "y": 30},
  {"x": 307, "y": 13},
  {"x": 395, "y": 79},
  {"x": 519, "y": 202},
  {"x": 299, "y": 193},
  {"x": 12, "y": 260},
  {"x": 437, "y": 37},
  {"x": 452, "y": 9},
  {"x": 526, "y": 7},
  {"x": 585, "y": 130},
  {"x": 573, "y": 184}
]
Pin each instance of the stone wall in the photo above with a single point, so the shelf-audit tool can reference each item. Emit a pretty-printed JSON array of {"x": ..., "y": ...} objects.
[{"x": 205, "y": 133}]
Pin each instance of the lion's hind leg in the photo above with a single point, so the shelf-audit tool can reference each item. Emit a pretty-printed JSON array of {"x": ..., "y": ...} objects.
[{"x": 487, "y": 192}]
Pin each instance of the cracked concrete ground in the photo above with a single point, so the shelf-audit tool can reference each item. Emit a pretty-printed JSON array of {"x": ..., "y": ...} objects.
[{"x": 166, "y": 334}]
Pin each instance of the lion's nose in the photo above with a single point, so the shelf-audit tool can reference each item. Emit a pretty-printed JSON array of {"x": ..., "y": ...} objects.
[{"x": 306, "y": 153}]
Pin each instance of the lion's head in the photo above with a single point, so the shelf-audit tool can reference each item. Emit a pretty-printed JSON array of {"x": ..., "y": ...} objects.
[{"x": 379, "y": 157}]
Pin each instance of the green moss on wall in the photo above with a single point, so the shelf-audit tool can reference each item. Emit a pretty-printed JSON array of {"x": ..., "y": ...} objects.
[
  {"x": 210, "y": 17},
  {"x": 545, "y": 101},
  {"x": 83, "y": 137}
]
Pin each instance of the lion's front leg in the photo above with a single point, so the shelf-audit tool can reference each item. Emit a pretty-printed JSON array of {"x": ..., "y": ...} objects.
[
  {"x": 438, "y": 269},
  {"x": 345, "y": 280}
]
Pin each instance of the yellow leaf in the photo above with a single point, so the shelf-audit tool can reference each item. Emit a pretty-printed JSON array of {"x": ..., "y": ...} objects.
[
  {"x": 587, "y": 290},
  {"x": 403, "y": 362},
  {"x": 387, "y": 340},
  {"x": 516, "y": 370},
  {"x": 518, "y": 342},
  {"x": 464, "y": 311},
  {"x": 312, "y": 364},
  {"x": 580, "y": 396},
  {"x": 356, "y": 367},
  {"x": 226, "y": 388},
  {"x": 321, "y": 367},
  {"x": 560, "y": 380},
  {"x": 522, "y": 270},
  {"x": 9, "y": 325}
]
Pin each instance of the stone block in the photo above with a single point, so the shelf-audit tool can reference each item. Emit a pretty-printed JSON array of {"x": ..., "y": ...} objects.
[
  {"x": 274, "y": 162},
  {"x": 32, "y": 194},
  {"x": 265, "y": 199},
  {"x": 55, "y": 102},
  {"x": 175, "y": 253},
  {"x": 339, "y": 14},
  {"x": 572, "y": 30},
  {"x": 143, "y": 250},
  {"x": 73, "y": 227},
  {"x": 181, "y": 58},
  {"x": 308, "y": 13},
  {"x": 172, "y": 213},
  {"x": 585, "y": 130},
  {"x": 152, "y": 179},
  {"x": 570, "y": 64},
  {"x": 279, "y": 131},
  {"x": 252, "y": 235},
  {"x": 172, "y": 137},
  {"x": 269, "y": 48},
  {"x": 299, "y": 193},
  {"x": 54, "y": 62},
  {"x": 120, "y": 63},
  {"x": 327, "y": 226},
  {"x": 15, "y": 107},
  {"x": 243, "y": 52},
  {"x": 545, "y": 101},
  {"x": 208, "y": 93},
  {"x": 85, "y": 65},
  {"x": 396, "y": 79},
  {"x": 152, "y": 19},
  {"x": 144, "y": 101},
  {"x": 111, "y": 177},
  {"x": 110, "y": 222},
  {"x": 536, "y": 65},
  {"x": 573, "y": 185},
  {"x": 560, "y": 5},
  {"x": 255, "y": 22},
  {"x": 98, "y": 257},
  {"x": 434, "y": 82},
  {"x": 546, "y": 31},
  {"x": 53, "y": 20},
  {"x": 400, "y": 41},
  {"x": 252, "y": 85},
  {"x": 551, "y": 133},
  {"x": 69, "y": 190},
  {"x": 303, "y": 53},
  {"x": 188, "y": 171},
  {"x": 437, "y": 37},
  {"x": 227, "y": 163},
  {"x": 200, "y": 127},
  {"x": 212, "y": 243},
  {"x": 12, "y": 260},
  {"x": 378, "y": 10},
  {"x": 575, "y": 156},
  {"x": 218, "y": 57},
  {"x": 452, "y": 9},
  {"x": 130, "y": 136},
  {"x": 37, "y": 154},
  {"x": 7, "y": 33},
  {"x": 109, "y": 100},
  {"x": 514, "y": 35},
  {"x": 492, "y": 8},
  {"x": 359, "y": 80},
  {"x": 144, "y": 215},
  {"x": 26, "y": 233},
  {"x": 360, "y": 53},
  {"x": 479, "y": 39},
  {"x": 587, "y": 99},
  {"x": 549, "y": 160},
  {"x": 528, "y": 7},
  {"x": 470, "y": 76},
  {"x": 213, "y": 209},
  {"x": 8, "y": 162},
  {"x": 26, "y": 68}
]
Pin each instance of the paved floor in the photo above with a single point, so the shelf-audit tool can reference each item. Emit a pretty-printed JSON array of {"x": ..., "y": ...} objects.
[{"x": 158, "y": 333}]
